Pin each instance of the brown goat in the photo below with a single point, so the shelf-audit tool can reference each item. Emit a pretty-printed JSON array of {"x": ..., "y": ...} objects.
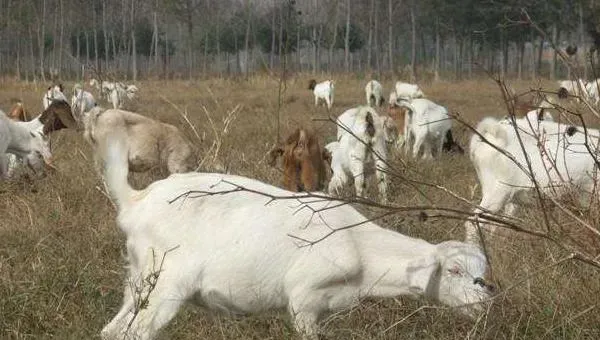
[
  {"x": 304, "y": 167},
  {"x": 58, "y": 116}
]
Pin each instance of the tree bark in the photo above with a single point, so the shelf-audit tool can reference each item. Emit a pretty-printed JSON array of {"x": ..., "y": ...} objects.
[
  {"x": 347, "y": 39},
  {"x": 436, "y": 62},
  {"x": 133, "y": 44},
  {"x": 390, "y": 36},
  {"x": 413, "y": 53},
  {"x": 370, "y": 39}
]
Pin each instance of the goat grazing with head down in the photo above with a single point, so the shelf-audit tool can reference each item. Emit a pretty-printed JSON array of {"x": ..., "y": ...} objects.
[
  {"x": 304, "y": 162},
  {"x": 322, "y": 91},
  {"x": 82, "y": 101},
  {"x": 151, "y": 143},
  {"x": 427, "y": 122},
  {"x": 223, "y": 241},
  {"x": 18, "y": 140},
  {"x": 374, "y": 93},
  {"x": 557, "y": 153},
  {"x": 360, "y": 149}
]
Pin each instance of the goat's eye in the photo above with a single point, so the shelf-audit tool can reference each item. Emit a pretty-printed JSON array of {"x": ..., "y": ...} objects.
[{"x": 479, "y": 281}]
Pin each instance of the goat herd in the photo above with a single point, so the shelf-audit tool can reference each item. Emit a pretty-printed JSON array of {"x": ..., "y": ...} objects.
[{"x": 243, "y": 246}]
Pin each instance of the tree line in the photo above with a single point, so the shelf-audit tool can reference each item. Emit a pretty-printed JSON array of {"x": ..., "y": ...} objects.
[{"x": 451, "y": 39}]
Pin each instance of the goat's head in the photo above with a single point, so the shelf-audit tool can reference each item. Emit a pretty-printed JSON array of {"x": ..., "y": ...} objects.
[
  {"x": 459, "y": 278},
  {"x": 311, "y": 84},
  {"x": 58, "y": 116},
  {"x": 40, "y": 152},
  {"x": 563, "y": 93}
]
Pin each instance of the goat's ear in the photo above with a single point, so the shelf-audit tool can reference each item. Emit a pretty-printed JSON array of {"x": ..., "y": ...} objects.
[
  {"x": 274, "y": 154},
  {"x": 424, "y": 274}
]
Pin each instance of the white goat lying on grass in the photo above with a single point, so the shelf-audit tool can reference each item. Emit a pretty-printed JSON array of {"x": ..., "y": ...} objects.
[
  {"x": 228, "y": 246},
  {"x": 426, "y": 122},
  {"x": 151, "y": 143},
  {"x": 361, "y": 149},
  {"x": 374, "y": 93},
  {"x": 557, "y": 153},
  {"x": 322, "y": 91},
  {"x": 18, "y": 140}
]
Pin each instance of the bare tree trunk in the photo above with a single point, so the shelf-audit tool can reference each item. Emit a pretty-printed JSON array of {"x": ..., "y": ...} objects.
[
  {"x": 370, "y": 39},
  {"x": 105, "y": 33},
  {"x": 155, "y": 34},
  {"x": 272, "y": 52},
  {"x": 532, "y": 57},
  {"x": 133, "y": 43},
  {"x": 334, "y": 40},
  {"x": 521, "y": 57},
  {"x": 247, "y": 37},
  {"x": 436, "y": 63},
  {"x": 413, "y": 53},
  {"x": 539, "y": 57},
  {"x": 390, "y": 36},
  {"x": 582, "y": 40},
  {"x": 42, "y": 41},
  {"x": 555, "y": 54},
  {"x": 32, "y": 54},
  {"x": 95, "y": 39},
  {"x": 347, "y": 39},
  {"x": 377, "y": 39},
  {"x": 204, "y": 62},
  {"x": 62, "y": 33},
  {"x": 87, "y": 48}
]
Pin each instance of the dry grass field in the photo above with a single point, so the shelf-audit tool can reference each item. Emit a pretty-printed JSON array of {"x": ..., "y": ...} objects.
[{"x": 61, "y": 253}]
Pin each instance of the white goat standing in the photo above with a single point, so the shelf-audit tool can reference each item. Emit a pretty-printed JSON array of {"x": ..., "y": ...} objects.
[
  {"x": 118, "y": 94},
  {"x": 228, "y": 245},
  {"x": 426, "y": 122},
  {"x": 374, "y": 93},
  {"x": 18, "y": 140},
  {"x": 557, "y": 153},
  {"x": 53, "y": 93},
  {"x": 362, "y": 135},
  {"x": 408, "y": 91},
  {"x": 323, "y": 90},
  {"x": 81, "y": 101}
]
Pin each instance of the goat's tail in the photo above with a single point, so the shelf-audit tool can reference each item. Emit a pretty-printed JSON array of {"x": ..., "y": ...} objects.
[{"x": 116, "y": 168}]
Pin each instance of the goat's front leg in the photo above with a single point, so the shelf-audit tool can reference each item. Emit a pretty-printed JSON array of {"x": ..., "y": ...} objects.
[
  {"x": 357, "y": 168},
  {"x": 380, "y": 173},
  {"x": 493, "y": 200}
]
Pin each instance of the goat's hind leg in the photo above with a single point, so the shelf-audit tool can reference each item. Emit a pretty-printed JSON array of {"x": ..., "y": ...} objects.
[{"x": 492, "y": 201}]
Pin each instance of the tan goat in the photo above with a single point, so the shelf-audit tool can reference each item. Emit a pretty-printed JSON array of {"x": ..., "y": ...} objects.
[{"x": 151, "y": 143}]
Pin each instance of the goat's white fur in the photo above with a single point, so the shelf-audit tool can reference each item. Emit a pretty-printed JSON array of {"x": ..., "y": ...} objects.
[
  {"x": 53, "y": 93},
  {"x": 18, "y": 140},
  {"x": 232, "y": 252},
  {"x": 426, "y": 122},
  {"x": 374, "y": 92},
  {"x": 356, "y": 153},
  {"x": 325, "y": 91},
  {"x": 408, "y": 91},
  {"x": 559, "y": 162},
  {"x": 81, "y": 101}
]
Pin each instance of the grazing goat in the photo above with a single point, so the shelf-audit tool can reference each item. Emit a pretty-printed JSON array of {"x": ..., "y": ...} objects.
[
  {"x": 304, "y": 167},
  {"x": 57, "y": 116},
  {"x": 104, "y": 88},
  {"x": 323, "y": 90},
  {"x": 53, "y": 93},
  {"x": 151, "y": 143},
  {"x": 81, "y": 101},
  {"x": 557, "y": 153},
  {"x": 408, "y": 91},
  {"x": 361, "y": 145},
  {"x": 425, "y": 121},
  {"x": 16, "y": 139},
  {"x": 374, "y": 93},
  {"x": 118, "y": 94},
  {"x": 228, "y": 247}
]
